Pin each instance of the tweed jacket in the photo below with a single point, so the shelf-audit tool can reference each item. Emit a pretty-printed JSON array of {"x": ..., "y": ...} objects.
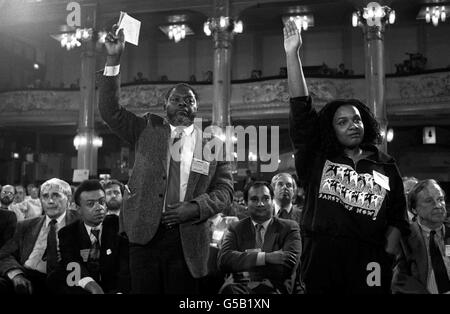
[{"x": 144, "y": 200}]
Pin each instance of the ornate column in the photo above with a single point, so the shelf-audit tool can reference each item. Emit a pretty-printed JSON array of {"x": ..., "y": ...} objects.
[
  {"x": 87, "y": 150},
  {"x": 222, "y": 28},
  {"x": 373, "y": 19}
]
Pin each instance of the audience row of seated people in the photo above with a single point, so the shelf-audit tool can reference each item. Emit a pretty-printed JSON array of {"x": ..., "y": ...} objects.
[
  {"x": 81, "y": 251},
  {"x": 15, "y": 199},
  {"x": 66, "y": 251}
]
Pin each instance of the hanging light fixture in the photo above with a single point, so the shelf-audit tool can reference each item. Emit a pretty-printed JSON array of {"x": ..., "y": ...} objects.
[
  {"x": 434, "y": 14},
  {"x": 373, "y": 15},
  {"x": 176, "y": 32},
  {"x": 303, "y": 22},
  {"x": 222, "y": 23},
  {"x": 72, "y": 37}
]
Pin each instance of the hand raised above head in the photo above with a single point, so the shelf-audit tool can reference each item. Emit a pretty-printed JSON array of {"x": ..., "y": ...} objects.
[
  {"x": 114, "y": 43},
  {"x": 292, "y": 38}
]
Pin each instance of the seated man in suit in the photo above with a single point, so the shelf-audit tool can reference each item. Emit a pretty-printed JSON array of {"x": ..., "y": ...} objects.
[
  {"x": 32, "y": 253},
  {"x": 94, "y": 243},
  {"x": 424, "y": 264},
  {"x": 285, "y": 190},
  {"x": 261, "y": 252}
]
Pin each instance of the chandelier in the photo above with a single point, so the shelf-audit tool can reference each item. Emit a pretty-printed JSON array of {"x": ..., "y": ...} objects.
[
  {"x": 373, "y": 15},
  {"x": 71, "y": 37},
  {"x": 176, "y": 32},
  {"x": 223, "y": 23},
  {"x": 303, "y": 22},
  {"x": 434, "y": 14}
]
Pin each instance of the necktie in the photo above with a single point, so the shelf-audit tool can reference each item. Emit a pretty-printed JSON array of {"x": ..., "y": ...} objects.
[
  {"x": 440, "y": 271},
  {"x": 259, "y": 238},
  {"x": 52, "y": 247},
  {"x": 173, "y": 182},
  {"x": 94, "y": 251}
]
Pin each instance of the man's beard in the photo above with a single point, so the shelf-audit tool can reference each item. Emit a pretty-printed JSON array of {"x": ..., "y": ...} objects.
[
  {"x": 113, "y": 205},
  {"x": 180, "y": 119},
  {"x": 284, "y": 198},
  {"x": 6, "y": 201}
]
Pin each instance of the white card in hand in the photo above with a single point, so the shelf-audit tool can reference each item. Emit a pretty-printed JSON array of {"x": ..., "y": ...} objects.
[{"x": 131, "y": 28}]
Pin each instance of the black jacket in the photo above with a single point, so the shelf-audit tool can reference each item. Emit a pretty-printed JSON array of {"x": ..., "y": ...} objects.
[
  {"x": 113, "y": 273},
  {"x": 8, "y": 222}
]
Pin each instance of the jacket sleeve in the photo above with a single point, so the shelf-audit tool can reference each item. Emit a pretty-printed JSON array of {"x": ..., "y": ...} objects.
[
  {"x": 219, "y": 195},
  {"x": 70, "y": 250},
  {"x": 123, "y": 276},
  {"x": 304, "y": 133},
  {"x": 10, "y": 252},
  {"x": 292, "y": 242},
  {"x": 230, "y": 259},
  {"x": 403, "y": 282},
  {"x": 396, "y": 212},
  {"x": 123, "y": 122},
  {"x": 10, "y": 226}
]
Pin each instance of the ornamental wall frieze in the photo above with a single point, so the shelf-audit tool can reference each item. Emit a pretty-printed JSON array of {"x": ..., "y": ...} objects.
[
  {"x": 260, "y": 96},
  {"x": 39, "y": 100}
]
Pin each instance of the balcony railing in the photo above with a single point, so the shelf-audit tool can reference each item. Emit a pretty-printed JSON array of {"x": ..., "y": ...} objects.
[{"x": 421, "y": 95}]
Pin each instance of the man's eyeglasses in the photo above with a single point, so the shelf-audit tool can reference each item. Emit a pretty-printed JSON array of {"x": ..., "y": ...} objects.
[{"x": 187, "y": 100}]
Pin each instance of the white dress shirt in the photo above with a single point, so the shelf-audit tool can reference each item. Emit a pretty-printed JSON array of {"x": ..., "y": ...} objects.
[
  {"x": 35, "y": 261},
  {"x": 85, "y": 280}
]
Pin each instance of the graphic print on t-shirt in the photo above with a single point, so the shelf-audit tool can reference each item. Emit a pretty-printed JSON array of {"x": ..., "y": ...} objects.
[{"x": 359, "y": 193}]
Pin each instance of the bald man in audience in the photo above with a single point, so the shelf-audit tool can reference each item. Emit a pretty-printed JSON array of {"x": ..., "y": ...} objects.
[{"x": 32, "y": 253}]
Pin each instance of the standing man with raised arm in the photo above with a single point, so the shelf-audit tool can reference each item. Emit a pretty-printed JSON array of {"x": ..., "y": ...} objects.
[
  {"x": 170, "y": 196},
  {"x": 355, "y": 208}
]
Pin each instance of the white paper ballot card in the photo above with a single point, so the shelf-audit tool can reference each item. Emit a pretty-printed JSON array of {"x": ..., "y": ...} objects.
[
  {"x": 130, "y": 26},
  {"x": 79, "y": 175}
]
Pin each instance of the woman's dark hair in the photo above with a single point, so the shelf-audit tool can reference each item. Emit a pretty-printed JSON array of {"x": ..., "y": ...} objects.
[{"x": 330, "y": 145}]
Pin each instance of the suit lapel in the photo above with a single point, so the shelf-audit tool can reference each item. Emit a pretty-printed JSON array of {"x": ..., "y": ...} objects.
[
  {"x": 85, "y": 240},
  {"x": 167, "y": 148},
  {"x": 248, "y": 235},
  {"x": 270, "y": 236},
  {"x": 31, "y": 237},
  {"x": 200, "y": 142},
  {"x": 417, "y": 243}
]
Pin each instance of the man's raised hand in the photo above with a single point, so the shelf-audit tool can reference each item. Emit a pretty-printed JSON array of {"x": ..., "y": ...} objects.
[
  {"x": 115, "y": 44},
  {"x": 292, "y": 37}
]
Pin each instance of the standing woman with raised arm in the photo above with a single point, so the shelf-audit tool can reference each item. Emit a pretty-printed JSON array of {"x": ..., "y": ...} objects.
[{"x": 355, "y": 209}]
